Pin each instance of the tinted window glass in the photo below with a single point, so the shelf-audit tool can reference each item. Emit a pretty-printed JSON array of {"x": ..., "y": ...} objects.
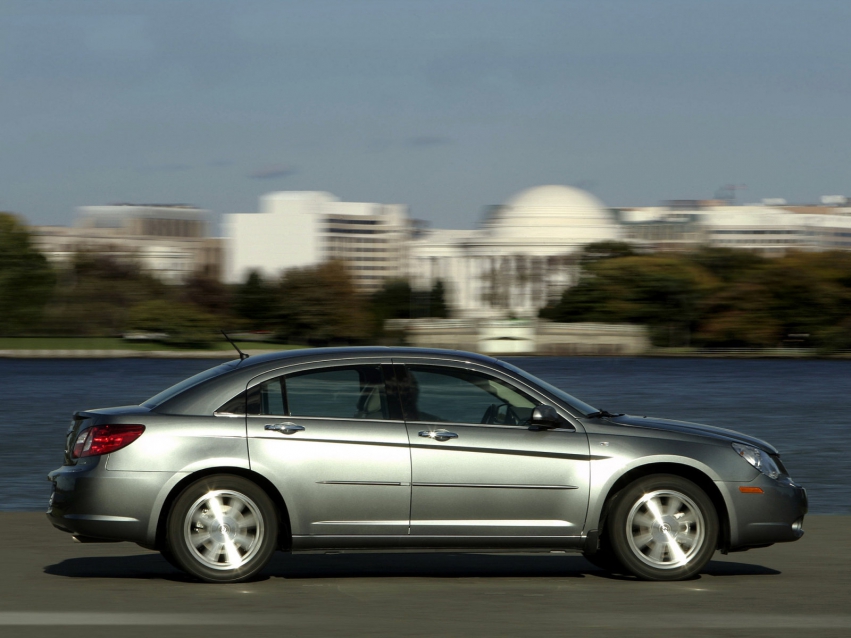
[
  {"x": 234, "y": 406},
  {"x": 351, "y": 392},
  {"x": 463, "y": 396}
]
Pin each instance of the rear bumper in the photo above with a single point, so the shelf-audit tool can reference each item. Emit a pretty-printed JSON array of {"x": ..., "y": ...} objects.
[
  {"x": 88, "y": 500},
  {"x": 774, "y": 516}
]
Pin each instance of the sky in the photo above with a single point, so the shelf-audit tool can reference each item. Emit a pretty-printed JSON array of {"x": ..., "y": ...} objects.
[{"x": 445, "y": 106}]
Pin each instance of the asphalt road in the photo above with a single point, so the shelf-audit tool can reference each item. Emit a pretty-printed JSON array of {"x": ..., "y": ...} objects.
[{"x": 52, "y": 586}]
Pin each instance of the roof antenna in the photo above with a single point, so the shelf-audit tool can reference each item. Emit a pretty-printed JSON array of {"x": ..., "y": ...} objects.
[{"x": 242, "y": 355}]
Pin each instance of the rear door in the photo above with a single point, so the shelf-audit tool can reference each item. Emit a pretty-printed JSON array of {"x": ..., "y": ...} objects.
[
  {"x": 328, "y": 437},
  {"x": 477, "y": 467}
]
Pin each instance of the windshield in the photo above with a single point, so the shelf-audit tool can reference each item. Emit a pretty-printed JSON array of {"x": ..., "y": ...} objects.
[
  {"x": 580, "y": 406},
  {"x": 177, "y": 388}
]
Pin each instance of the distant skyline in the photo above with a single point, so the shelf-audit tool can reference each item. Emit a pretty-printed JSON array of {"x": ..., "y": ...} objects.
[{"x": 445, "y": 106}]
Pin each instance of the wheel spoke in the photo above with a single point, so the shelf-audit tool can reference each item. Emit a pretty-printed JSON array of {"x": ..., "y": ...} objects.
[
  {"x": 215, "y": 506},
  {"x": 676, "y": 552},
  {"x": 674, "y": 505},
  {"x": 212, "y": 551},
  {"x": 243, "y": 541},
  {"x": 200, "y": 538},
  {"x": 234, "y": 558},
  {"x": 656, "y": 552},
  {"x": 642, "y": 540},
  {"x": 236, "y": 507},
  {"x": 652, "y": 505},
  {"x": 642, "y": 520}
]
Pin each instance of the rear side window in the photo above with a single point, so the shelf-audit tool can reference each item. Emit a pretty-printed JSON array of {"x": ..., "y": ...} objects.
[{"x": 349, "y": 392}]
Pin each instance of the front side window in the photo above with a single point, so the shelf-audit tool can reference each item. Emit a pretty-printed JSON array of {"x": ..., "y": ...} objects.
[{"x": 454, "y": 395}]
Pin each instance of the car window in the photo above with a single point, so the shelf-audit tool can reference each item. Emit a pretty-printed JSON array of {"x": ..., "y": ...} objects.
[
  {"x": 454, "y": 395},
  {"x": 349, "y": 392}
]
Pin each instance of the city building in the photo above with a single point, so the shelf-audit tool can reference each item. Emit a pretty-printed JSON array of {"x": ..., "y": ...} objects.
[
  {"x": 770, "y": 230},
  {"x": 171, "y": 242},
  {"x": 303, "y": 228},
  {"x": 523, "y": 255}
]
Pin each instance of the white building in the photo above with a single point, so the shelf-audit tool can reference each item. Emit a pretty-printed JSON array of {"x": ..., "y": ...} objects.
[
  {"x": 303, "y": 228},
  {"x": 171, "y": 242},
  {"x": 523, "y": 256},
  {"x": 768, "y": 230}
]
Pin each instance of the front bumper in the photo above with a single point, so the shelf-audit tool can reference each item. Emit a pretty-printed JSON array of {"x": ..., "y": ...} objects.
[
  {"x": 96, "y": 503},
  {"x": 774, "y": 516}
]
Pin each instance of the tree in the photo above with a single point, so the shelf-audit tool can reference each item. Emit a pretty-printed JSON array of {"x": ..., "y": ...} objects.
[
  {"x": 95, "y": 293},
  {"x": 255, "y": 301},
  {"x": 26, "y": 279},
  {"x": 319, "y": 306},
  {"x": 183, "y": 324},
  {"x": 600, "y": 250},
  {"x": 662, "y": 292},
  {"x": 437, "y": 301}
]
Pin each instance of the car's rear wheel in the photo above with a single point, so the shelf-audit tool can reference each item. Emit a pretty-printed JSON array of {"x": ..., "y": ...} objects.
[
  {"x": 663, "y": 527},
  {"x": 222, "y": 529}
]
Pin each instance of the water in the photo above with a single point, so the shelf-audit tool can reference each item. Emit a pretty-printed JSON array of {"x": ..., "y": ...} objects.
[{"x": 801, "y": 407}]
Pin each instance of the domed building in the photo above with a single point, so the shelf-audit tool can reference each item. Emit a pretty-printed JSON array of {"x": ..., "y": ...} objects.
[{"x": 522, "y": 256}]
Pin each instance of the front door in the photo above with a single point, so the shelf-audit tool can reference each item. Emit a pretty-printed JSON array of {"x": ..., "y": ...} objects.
[{"x": 477, "y": 467}]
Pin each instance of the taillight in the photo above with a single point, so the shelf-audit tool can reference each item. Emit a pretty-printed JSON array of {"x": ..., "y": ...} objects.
[{"x": 103, "y": 439}]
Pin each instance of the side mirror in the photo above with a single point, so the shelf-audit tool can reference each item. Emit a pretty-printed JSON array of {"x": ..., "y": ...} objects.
[{"x": 544, "y": 417}]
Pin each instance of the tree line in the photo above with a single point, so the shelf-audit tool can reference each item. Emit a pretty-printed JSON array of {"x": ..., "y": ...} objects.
[
  {"x": 96, "y": 295},
  {"x": 715, "y": 297},
  {"x": 710, "y": 297}
]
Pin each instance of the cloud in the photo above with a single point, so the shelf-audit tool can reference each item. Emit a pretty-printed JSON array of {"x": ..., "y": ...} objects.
[
  {"x": 274, "y": 171},
  {"x": 427, "y": 141}
]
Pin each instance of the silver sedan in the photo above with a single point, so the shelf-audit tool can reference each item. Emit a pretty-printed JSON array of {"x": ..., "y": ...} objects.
[{"x": 411, "y": 449}]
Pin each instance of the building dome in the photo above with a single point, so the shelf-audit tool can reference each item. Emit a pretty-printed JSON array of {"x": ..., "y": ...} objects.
[
  {"x": 562, "y": 217},
  {"x": 555, "y": 197}
]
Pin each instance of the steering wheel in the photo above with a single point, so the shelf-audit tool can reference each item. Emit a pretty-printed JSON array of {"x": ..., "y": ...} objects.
[{"x": 501, "y": 414}]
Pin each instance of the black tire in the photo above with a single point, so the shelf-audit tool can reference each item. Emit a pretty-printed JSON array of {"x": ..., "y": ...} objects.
[
  {"x": 663, "y": 527},
  {"x": 170, "y": 559},
  {"x": 222, "y": 529}
]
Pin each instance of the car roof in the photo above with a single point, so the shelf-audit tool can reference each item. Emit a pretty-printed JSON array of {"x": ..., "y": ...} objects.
[{"x": 363, "y": 351}]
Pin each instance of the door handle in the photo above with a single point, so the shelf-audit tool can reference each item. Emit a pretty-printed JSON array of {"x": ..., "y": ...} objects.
[
  {"x": 439, "y": 435},
  {"x": 284, "y": 428}
]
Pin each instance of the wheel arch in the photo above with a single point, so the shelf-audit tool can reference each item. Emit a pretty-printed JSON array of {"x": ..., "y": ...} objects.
[
  {"x": 693, "y": 474},
  {"x": 284, "y": 533}
]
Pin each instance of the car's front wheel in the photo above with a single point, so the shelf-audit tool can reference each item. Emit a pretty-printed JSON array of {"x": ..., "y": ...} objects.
[
  {"x": 663, "y": 527},
  {"x": 222, "y": 529}
]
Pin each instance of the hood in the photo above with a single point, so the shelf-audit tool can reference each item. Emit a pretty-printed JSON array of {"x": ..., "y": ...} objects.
[{"x": 685, "y": 427}]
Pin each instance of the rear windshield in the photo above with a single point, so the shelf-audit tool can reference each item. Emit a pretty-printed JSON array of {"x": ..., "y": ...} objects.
[{"x": 184, "y": 385}]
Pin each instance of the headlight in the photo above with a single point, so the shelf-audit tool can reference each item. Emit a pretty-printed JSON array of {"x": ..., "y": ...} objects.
[{"x": 759, "y": 459}]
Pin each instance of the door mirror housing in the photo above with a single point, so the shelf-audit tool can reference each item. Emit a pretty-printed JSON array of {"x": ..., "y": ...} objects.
[{"x": 545, "y": 417}]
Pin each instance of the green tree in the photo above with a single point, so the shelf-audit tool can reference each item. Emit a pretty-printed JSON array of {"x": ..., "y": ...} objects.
[
  {"x": 437, "y": 301},
  {"x": 319, "y": 306},
  {"x": 662, "y": 292},
  {"x": 600, "y": 250},
  {"x": 96, "y": 291},
  {"x": 183, "y": 324},
  {"x": 26, "y": 279},
  {"x": 255, "y": 301}
]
